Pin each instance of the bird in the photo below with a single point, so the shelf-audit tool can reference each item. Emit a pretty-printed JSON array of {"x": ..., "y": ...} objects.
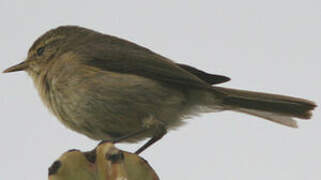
[{"x": 111, "y": 89}]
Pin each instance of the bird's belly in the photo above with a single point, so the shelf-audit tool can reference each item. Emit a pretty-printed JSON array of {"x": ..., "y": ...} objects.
[{"x": 117, "y": 108}]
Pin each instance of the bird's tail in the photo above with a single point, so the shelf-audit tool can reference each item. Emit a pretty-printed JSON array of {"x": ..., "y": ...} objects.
[{"x": 276, "y": 108}]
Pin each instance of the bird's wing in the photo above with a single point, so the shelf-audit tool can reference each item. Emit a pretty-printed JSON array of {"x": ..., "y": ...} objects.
[
  {"x": 125, "y": 57},
  {"x": 209, "y": 78}
]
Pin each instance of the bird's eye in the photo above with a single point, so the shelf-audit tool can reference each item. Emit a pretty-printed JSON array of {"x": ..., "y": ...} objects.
[{"x": 40, "y": 51}]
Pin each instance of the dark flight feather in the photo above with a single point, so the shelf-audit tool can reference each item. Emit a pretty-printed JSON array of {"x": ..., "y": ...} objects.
[{"x": 209, "y": 78}]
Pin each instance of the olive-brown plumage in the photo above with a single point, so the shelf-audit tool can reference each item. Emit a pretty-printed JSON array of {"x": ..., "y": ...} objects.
[{"x": 107, "y": 88}]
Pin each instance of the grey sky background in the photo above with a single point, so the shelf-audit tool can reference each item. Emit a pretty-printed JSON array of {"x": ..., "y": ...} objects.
[{"x": 272, "y": 46}]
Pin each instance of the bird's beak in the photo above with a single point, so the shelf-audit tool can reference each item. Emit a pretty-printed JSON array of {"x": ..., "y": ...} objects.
[{"x": 19, "y": 67}]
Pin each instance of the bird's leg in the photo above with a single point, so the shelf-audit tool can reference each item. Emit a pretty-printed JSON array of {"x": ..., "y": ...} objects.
[
  {"x": 133, "y": 134},
  {"x": 149, "y": 124},
  {"x": 122, "y": 138},
  {"x": 160, "y": 132}
]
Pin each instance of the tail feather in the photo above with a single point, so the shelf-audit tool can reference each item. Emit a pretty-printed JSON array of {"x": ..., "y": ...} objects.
[
  {"x": 276, "y": 108},
  {"x": 274, "y": 117}
]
